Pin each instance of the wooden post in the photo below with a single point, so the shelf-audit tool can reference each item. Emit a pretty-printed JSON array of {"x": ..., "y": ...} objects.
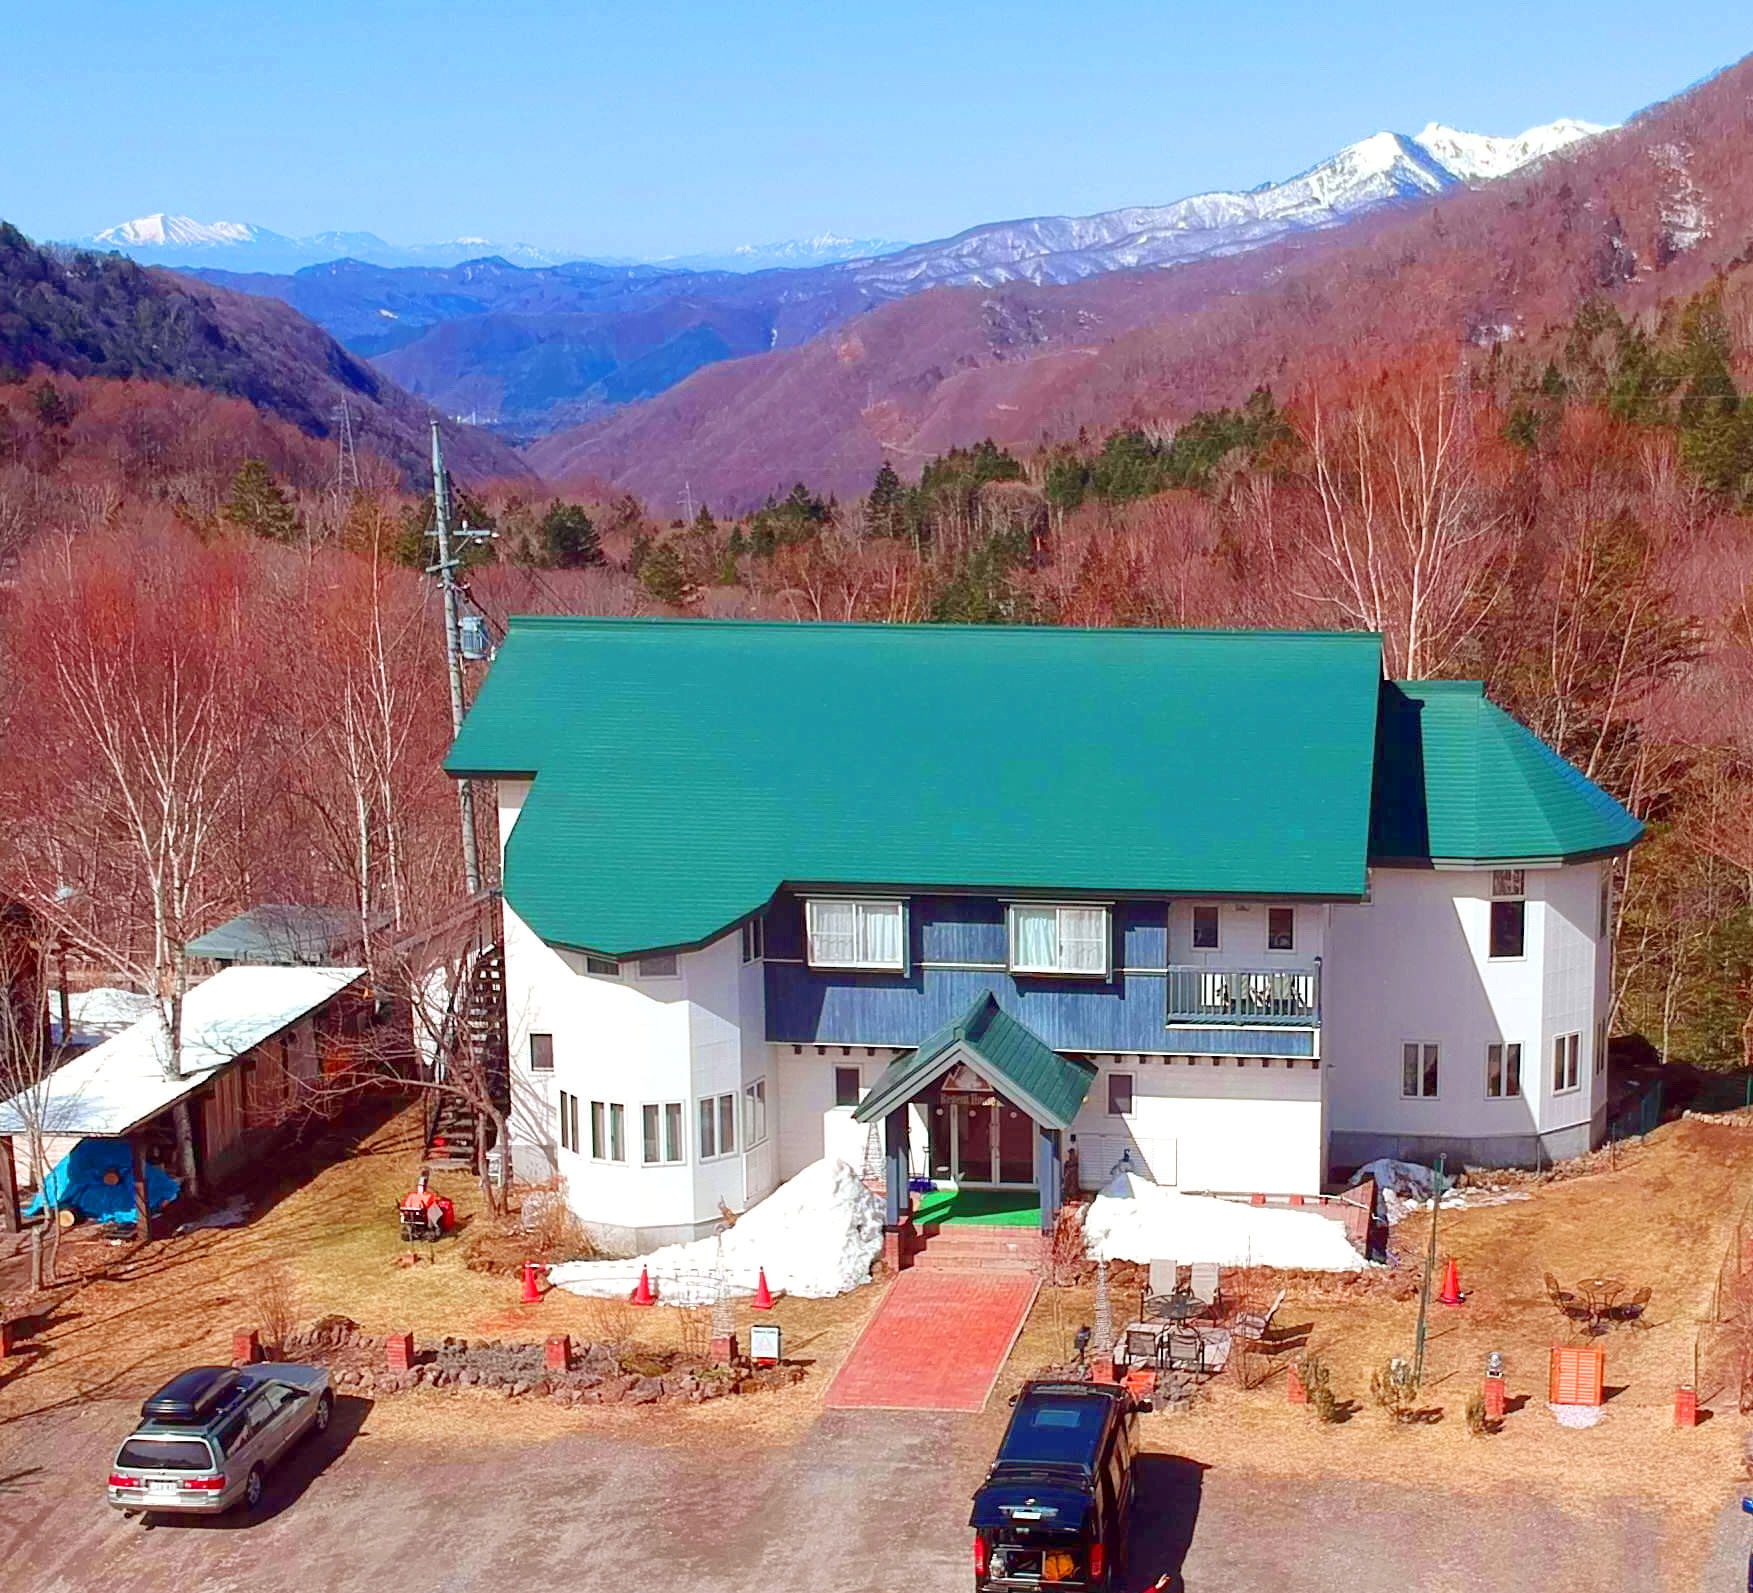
[
  {"x": 896, "y": 1132},
  {"x": 142, "y": 1215},
  {"x": 9, "y": 1218}
]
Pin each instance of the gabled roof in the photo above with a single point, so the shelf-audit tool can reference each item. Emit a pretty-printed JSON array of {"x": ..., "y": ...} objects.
[
  {"x": 121, "y": 1083},
  {"x": 1458, "y": 781},
  {"x": 685, "y": 770},
  {"x": 1007, "y": 1054}
]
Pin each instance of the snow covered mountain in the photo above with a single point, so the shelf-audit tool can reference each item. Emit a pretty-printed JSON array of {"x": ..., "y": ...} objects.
[
  {"x": 181, "y": 241},
  {"x": 825, "y": 249},
  {"x": 1379, "y": 170}
]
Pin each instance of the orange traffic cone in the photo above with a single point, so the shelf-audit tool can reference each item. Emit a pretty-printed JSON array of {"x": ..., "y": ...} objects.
[
  {"x": 1451, "y": 1294},
  {"x": 763, "y": 1295},
  {"x": 643, "y": 1293},
  {"x": 531, "y": 1293}
]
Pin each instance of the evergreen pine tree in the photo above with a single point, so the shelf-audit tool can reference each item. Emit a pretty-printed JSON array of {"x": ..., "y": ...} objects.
[
  {"x": 886, "y": 495},
  {"x": 568, "y": 537},
  {"x": 257, "y": 504},
  {"x": 661, "y": 573}
]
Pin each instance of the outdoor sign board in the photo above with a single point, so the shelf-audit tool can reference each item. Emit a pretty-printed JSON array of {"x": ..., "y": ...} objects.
[{"x": 764, "y": 1344}]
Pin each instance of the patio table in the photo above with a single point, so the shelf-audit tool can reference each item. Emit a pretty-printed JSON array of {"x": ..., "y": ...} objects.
[{"x": 1599, "y": 1295}]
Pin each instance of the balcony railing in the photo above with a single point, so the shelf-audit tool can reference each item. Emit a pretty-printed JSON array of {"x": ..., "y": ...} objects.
[{"x": 1288, "y": 996}]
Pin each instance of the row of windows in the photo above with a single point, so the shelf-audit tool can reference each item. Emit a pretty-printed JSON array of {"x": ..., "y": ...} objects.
[
  {"x": 1421, "y": 1066},
  {"x": 661, "y": 1140},
  {"x": 662, "y": 966}
]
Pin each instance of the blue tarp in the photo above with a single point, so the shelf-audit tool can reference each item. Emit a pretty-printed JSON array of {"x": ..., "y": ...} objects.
[{"x": 77, "y": 1183}]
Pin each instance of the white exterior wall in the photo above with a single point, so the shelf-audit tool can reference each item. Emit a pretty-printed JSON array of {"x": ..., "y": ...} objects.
[
  {"x": 1414, "y": 964},
  {"x": 1224, "y": 1124},
  {"x": 811, "y": 1126},
  {"x": 1241, "y": 936},
  {"x": 635, "y": 1042}
]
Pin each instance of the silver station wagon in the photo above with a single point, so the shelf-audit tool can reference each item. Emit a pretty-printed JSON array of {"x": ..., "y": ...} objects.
[{"x": 208, "y": 1437}]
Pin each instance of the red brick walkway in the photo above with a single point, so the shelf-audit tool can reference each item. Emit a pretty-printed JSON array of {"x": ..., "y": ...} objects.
[{"x": 936, "y": 1343}]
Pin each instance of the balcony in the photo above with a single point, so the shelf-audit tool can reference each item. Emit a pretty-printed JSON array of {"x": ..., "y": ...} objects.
[{"x": 1283, "y": 997}]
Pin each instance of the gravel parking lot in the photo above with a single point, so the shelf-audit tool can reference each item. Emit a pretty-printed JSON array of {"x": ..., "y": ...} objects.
[{"x": 867, "y": 1502}]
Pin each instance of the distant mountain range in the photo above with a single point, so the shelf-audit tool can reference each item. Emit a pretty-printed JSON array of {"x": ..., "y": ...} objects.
[
  {"x": 187, "y": 244},
  {"x": 534, "y": 347}
]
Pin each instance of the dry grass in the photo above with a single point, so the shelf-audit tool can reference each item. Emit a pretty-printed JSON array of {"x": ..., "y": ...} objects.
[
  {"x": 1664, "y": 1216},
  {"x": 330, "y": 1241}
]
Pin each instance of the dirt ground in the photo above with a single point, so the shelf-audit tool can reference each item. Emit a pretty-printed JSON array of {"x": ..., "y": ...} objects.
[{"x": 1532, "y": 1505}]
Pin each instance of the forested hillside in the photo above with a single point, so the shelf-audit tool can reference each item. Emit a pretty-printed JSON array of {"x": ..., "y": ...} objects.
[{"x": 102, "y": 315}]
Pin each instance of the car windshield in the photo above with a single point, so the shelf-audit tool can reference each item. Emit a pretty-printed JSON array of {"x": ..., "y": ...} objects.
[{"x": 165, "y": 1454}]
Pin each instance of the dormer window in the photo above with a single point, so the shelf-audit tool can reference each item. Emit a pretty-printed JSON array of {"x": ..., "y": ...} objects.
[
  {"x": 1059, "y": 940},
  {"x": 857, "y": 934}
]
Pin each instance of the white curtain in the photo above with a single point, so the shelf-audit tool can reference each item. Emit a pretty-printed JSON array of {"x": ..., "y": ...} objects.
[
  {"x": 1037, "y": 937},
  {"x": 880, "y": 934},
  {"x": 833, "y": 932},
  {"x": 1083, "y": 939}
]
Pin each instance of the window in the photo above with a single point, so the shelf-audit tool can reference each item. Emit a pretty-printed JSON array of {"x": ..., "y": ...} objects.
[
  {"x": 718, "y": 1125},
  {"x": 1503, "y": 1071},
  {"x": 755, "y": 1114},
  {"x": 541, "y": 1053},
  {"x": 663, "y": 967},
  {"x": 1418, "y": 1070},
  {"x": 857, "y": 935},
  {"x": 1564, "y": 1062},
  {"x": 569, "y": 1122},
  {"x": 608, "y": 1131},
  {"x": 1600, "y": 1045},
  {"x": 1119, "y": 1095},
  {"x": 1281, "y": 929},
  {"x": 1060, "y": 940},
  {"x": 846, "y": 1088},
  {"x": 1205, "y": 929},
  {"x": 606, "y": 966},
  {"x": 662, "y": 1127},
  {"x": 754, "y": 939},
  {"x": 1508, "y": 913}
]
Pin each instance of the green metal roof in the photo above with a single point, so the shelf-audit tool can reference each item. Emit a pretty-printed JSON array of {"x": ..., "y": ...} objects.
[
  {"x": 1459, "y": 781},
  {"x": 684, "y": 770},
  {"x": 1007, "y": 1054}
]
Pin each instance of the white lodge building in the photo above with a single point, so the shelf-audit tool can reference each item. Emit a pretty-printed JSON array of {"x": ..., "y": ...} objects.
[{"x": 971, "y": 899}]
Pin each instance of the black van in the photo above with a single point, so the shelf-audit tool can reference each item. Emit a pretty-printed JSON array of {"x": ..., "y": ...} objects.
[{"x": 1056, "y": 1505}]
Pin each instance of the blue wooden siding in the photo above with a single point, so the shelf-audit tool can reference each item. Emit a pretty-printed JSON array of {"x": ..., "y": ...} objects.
[{"x": 1125, "y": 1013}]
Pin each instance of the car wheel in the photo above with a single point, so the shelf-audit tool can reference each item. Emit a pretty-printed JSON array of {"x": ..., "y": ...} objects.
[
  {"x": 252, "y": 1490},
  {"x": 325, "y": 1409}
]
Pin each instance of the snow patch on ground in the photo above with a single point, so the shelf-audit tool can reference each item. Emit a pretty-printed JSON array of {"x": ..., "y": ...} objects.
[
  {"x": 816, "y": 1235},
  {"x": 1136, "y": 1220},
  {"x": 1684, "y": 218},
  {"x": 233, "y": 1214}
]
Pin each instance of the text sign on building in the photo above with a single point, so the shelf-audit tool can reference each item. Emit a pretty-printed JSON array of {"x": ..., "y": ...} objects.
[{"x": 764, "y": 1345}]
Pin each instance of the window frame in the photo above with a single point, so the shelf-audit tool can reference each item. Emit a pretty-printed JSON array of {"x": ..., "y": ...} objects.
[
  {"x": 755, "y": 1105},
  {"x": 1129, "y": 1083},
  {"x": 1290, "y": 940},
  {"x": 1509, "y": 1070},
  {"x": 1509, "y": 888},
  {"x": 1567, "y": 1077},
  {"x": 709, "y": 1122},
  {"x": 601, "y": 967},
  {"x": 538, "y": 1051},
  {"x": 599, "y": 1131},
  {"x": 754, "y": 938},
  {"x": 840, "y": 1069},
  {"x": 1216, "y": 926},
  {"x": 568, "y": 1108},
  {"x": 643, "y": 971},
  {"x": 1059, "y": 971},
  {"x": 1600, "y": 1057},
  {"x": 860, "y": 906},
  {"x": 1606, "y": 916},
  {"x": 1423, "y": 1062},
  {"x": 668, "y": 1139}
]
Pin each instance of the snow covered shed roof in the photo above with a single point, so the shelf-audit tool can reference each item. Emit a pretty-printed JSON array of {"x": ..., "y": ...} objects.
[
  {"x": 118, "y": 1085},
  {"x": 278, "y": 933}
]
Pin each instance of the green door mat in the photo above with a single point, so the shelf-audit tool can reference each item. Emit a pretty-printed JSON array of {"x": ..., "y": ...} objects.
[{"x": 992, "y": 1208}]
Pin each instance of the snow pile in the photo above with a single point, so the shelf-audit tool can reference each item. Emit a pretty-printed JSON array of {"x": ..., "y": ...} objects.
[
  {"x": 235, "y": 1213},
  {"x": 816, "y": 1235},
  {"x": 1406, "y": 1186},
  {"x": 1136, "y": 1220}
]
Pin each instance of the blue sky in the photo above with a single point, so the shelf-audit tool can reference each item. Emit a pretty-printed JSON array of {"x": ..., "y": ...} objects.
[{"x": 655, "y": 126}]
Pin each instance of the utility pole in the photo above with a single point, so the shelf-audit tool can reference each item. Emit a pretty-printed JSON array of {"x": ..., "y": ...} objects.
[{"x": 445, "y": 569}]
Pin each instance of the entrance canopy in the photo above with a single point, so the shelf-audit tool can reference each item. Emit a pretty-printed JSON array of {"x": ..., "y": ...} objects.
[{"x": 1006, "y": 1054}]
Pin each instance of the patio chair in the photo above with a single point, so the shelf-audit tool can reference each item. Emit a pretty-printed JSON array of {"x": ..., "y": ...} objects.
[
  {"x": 1255, "y": 1325},
  {"x": 1556, "y": 1294},
  {"x": 1631, "y": 1311},
  {"x": 1186, "y": 1351},
  {"x": 1163, "y": 1277},
  {"x": 1153, "y": 1301},
  {"x": 1143, "y": 1345},
  {"x": 1207, "y": 1284}
]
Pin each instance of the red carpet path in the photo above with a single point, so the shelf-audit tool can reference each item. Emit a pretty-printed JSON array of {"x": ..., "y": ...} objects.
[{"x": 936, "y": 1343}]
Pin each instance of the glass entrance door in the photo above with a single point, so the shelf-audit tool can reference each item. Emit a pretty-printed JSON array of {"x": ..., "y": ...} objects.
[{"x": 992, "y": 1143}]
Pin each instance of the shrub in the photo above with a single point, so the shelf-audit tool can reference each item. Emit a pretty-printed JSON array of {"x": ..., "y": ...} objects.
[
  {"x": 1395, "y": 1388},
  {"x": 1317, "y": 1381},
  {"x": 1065, "y": 1254},
  {"x": 273, "y": 1298},
  {"x": 1476, "y": 1414}
]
